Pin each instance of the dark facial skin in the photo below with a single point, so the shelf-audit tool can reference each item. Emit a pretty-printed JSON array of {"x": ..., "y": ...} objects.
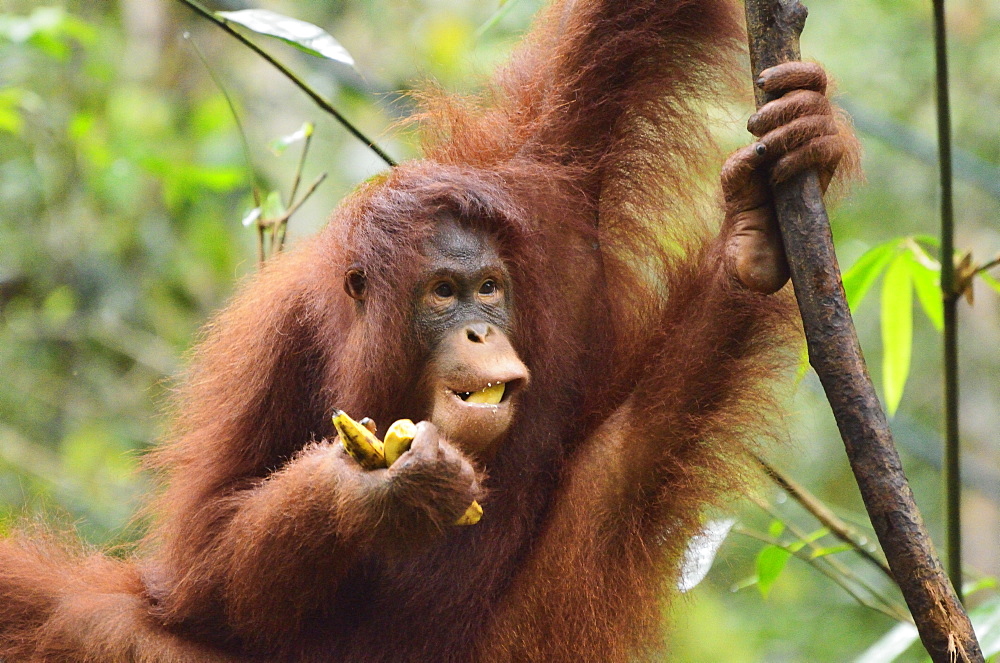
[
  {"x": 466, "y": 283},
  {"x": 463, "y": 318}
]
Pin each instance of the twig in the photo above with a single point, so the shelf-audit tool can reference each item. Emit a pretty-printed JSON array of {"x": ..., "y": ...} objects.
[
  {"x": 232, "y": 107},
  {"x": 317, "y": 98},
  {"x": 283, "y": 219},
  {"x": 988, "y": 266},
  {"x": 808, "y": 559},
  {"x": 774, "y": 27},
  {"x": 898, "y": 611},
  {"x": 823, "y": 514}
]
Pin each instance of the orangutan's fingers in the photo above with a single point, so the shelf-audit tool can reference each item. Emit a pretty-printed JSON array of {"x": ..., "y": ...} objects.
[
  {"x": 823, "y": 154},
  {"x": 792, "y": 76},
  {"x": 796, "y": 134},
  {"x": 740, "y": 168},
  {"x": 794, "y": 105}
]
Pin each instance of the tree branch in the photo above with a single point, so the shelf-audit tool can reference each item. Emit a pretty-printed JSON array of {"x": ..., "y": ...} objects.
[
  {"x": 311, "y": 93},
  {"x": 773, "y": 28}
]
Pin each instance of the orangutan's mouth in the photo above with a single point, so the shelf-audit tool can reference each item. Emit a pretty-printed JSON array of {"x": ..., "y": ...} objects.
[{"x": 493, "y": 394}]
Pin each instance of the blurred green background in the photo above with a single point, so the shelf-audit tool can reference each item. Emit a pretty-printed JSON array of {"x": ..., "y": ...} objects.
[{"x": 123, "y": 182}]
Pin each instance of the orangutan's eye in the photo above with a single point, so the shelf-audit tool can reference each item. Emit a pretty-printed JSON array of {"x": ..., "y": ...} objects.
[
  {"x": 488, "y": 287},
  {"x": 444, "y": 290}
]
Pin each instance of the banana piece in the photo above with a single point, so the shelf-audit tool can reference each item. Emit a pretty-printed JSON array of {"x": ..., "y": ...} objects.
[
  {"x": 359, "y": 442},
  {"x": 490, "y": 395},
  {"x": 472, "y": 515},
  {"x": 397, "y": 440}
]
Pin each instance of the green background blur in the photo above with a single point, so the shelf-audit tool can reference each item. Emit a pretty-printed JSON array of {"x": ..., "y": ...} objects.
[{"x": 123, "y": 182}]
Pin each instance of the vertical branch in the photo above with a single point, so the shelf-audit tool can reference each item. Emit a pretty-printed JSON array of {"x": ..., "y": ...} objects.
[
  {"x": 773, "y": 28},
  {"x": 950, "y": 295}
]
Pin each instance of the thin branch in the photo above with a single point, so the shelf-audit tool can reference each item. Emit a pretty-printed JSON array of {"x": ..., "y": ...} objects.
[
  {"x": 317, "y": 98},
  {"x": 283, "y": 219},
  {"x": 898, "y": 611},
  {"x": 988, "y": 266},
  {"x": 808, "y": 559},
  {"x": 232, "y": 108},
  {"x": 950, "y": 297},
  {"x": 307, "y": 141},
  {"x": 824, "y": 515}
]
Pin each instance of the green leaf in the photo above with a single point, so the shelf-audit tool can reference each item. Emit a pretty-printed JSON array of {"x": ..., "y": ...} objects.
[
  {"x": 770, "y": 562},
  {"x": 10, "y": 111},
  {"x": 929, "y": 240},
  {"x": 926, "y": 275},
  {"x": 59, "y": 306},
  {"x": 305, "y": 36},
  {"x": 775, "y": 529},
  {"x": 862, "y": 274},
  {"x": 809, "y": 538},
  {"x": 897, "y": 329}
]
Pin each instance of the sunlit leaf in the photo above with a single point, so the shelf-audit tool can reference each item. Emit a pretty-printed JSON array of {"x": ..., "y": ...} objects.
[
  {"x": 862, "y": 274},
  {"x": 897, "y": 329},
  {"x": 279, "y": 145},
  {"x": 927, "y": 283},
  {"x": 305, "y": 36},
  {"x": 701, "y": 551},
  {"x": 809, "y": 538},
  {"x": 775, "y": 529},
  {"x": 10, "y": 112},
  {"x": 770, "y": 562}
]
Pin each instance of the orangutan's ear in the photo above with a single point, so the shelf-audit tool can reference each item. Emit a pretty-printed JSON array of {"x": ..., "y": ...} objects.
[{"x": 355, "y": 283}]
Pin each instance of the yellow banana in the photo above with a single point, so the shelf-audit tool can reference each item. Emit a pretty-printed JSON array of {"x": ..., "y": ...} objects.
[
  {"x": 471, "y": 515},
  {"x": 397, "y": 440},
  {"x": 372, "y": 454},
  {"x": 363, "y": 446}
]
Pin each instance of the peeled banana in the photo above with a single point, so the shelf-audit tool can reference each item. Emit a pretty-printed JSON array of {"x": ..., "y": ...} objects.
[
  {"x": 360, "y": 442},
  {"x": 397, "y": 440}
]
